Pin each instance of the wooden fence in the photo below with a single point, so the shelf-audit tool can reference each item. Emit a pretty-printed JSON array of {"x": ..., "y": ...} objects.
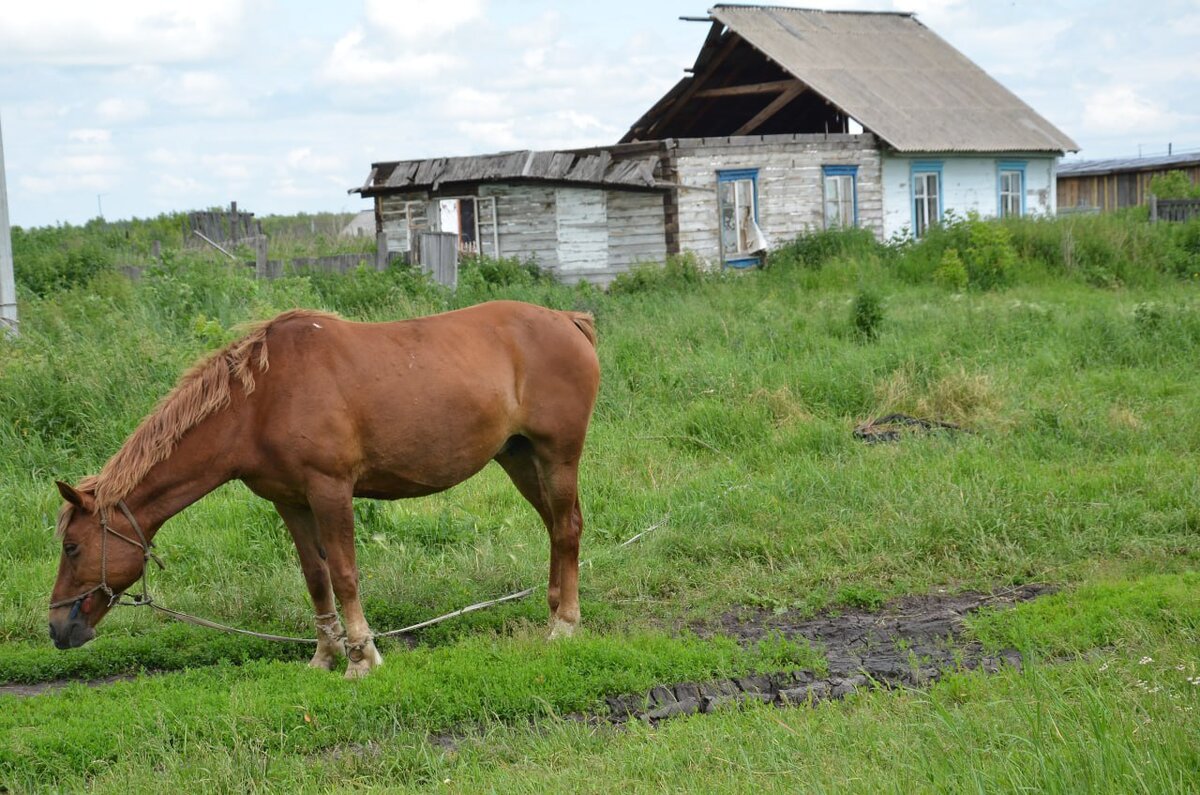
[
  {"x": 1173, "y": 209},
  {"x": 221, "y": 229}
]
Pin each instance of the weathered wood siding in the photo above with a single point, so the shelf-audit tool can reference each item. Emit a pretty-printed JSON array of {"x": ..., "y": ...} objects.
[
  {"x": 581, "y": 215},
  {"x": 1114, "y": 190},
  {"x": 527, "y": 220},
  {"x": 791, "y": 191},
  {"x": 636, "y": 230},
  {"x": 589, "y": 234}
]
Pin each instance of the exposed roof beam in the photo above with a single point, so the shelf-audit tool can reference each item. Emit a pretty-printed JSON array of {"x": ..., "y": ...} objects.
[
  {"x": 697, "y": 19},
  {"x": 770, "y": 87},
  {"x": 770, "y": 110},
  {"x": 697, "y": 83}
]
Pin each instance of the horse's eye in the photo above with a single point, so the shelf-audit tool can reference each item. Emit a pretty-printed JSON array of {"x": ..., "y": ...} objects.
[{"x": 71, "y": 549}]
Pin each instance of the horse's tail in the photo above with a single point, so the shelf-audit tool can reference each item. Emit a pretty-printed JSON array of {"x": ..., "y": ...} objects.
[{"x": 585, "y": 323}]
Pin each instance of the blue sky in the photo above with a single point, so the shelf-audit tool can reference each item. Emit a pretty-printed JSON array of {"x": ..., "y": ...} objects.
[{"x": 151, "y": 106}]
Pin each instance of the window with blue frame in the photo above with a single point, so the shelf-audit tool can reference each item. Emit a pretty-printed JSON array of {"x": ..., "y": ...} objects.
[
  {"x": 841, "y": 196},
  {"x": 737, "y": 206},
  {"x": 926, "y": 195},
  {"x": 1011, "y": 188}
]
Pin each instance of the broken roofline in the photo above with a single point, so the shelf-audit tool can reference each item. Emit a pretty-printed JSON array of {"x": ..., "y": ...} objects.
[
  {"x": 660, "y": 149},
  {"x": 932, "y": 98},
  {"x": 625, "y": 167}
]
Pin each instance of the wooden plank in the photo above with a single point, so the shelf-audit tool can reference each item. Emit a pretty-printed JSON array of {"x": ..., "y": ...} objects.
[
  {"x": 770, "y": 110},
  {"x": 697, "y": 83},
  {"x": 769, "y": 87}
]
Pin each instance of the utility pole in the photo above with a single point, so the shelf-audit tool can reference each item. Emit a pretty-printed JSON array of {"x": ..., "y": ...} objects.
[{"x": 8, "y": 287}]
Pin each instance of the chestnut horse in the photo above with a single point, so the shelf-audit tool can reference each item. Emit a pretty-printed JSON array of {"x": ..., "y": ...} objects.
[{"x": 329, "y": 410}]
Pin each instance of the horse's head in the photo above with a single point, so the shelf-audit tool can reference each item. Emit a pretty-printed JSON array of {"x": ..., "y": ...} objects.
[{"x": 93, "y": 569}]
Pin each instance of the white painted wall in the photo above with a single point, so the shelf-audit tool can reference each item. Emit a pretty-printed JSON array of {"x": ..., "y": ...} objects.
[{"x": 969, "y": 182}]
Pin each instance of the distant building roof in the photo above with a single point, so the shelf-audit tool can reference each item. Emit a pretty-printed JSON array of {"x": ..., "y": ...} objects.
[
  {"x": 632, "y": 166},
  {"x": 1079, "y": 168},
  {"x": 886, "y": 70}
]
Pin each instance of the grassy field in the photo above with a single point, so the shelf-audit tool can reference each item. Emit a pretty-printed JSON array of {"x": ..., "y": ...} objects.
[{"x": 726, "y": 414}]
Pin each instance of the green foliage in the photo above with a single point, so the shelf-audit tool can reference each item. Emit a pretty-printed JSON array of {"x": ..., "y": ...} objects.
[
  {"x": 951, "y": 273},
  {"x": 679, "y": 272},
  {"x": 815, "y": 249},
  {"x": 1174, "y": 185},
  {"x": 866, "y": 314},
  {"x": 485, "y": 274}
]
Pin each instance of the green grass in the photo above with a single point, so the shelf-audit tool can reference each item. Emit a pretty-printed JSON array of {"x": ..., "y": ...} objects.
[{"x": 726, "y": 407}]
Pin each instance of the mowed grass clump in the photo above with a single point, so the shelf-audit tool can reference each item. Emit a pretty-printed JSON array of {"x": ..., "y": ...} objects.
[{"x": 725, "y": 420}]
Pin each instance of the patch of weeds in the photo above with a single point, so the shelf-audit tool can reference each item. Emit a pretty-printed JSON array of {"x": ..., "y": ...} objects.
[{"x": 867, "y": 314}]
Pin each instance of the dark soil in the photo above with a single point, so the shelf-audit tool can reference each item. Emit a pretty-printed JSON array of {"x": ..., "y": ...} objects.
[{"x": 909, "y": 643}]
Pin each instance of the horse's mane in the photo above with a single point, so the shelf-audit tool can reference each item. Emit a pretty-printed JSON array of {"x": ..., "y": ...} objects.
[{"x": 203, "y": 390}]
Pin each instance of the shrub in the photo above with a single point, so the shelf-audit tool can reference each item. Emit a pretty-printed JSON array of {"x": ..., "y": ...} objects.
[
  {"x": 867, "y": 314},
  {"x": 951, "y": 273},
  {"x": 815, "y": 249},
  {"x": 679, "y": 272},
  {"x": 504, "y": 272},
  {"x": 1174, "y": 185}
]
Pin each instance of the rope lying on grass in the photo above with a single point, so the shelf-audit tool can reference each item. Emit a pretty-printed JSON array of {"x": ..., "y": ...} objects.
[
  {"x": 888, "y": 429},
  {"x": 462, "y": 611}
]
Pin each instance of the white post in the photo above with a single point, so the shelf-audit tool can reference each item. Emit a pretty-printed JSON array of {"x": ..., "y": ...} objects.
[{"x": 8, "y": 288}]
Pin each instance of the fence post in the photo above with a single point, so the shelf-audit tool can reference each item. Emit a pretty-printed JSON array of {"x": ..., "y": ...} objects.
[
  {"x": 260, "y": 257},
  {"x": 381, "y": 251},
  {"x": 1153, "y": 209}
]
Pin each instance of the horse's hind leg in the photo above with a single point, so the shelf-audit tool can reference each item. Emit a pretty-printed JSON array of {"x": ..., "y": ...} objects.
[
  {"x": 330, "y": 635},
  {"x": 552, "y": 489},
  {"x": 333, "y": 507}
]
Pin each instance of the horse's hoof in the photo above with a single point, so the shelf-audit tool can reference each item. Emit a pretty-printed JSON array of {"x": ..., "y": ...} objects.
[
  {"x": 561, "y": 629},
  {"x": 324, "y": 661}
]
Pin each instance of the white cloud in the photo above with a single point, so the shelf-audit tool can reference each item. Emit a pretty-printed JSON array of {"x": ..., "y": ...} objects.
[
  {"x": 86, "y": 32},
  {"x": 122, "y": 110},
  {"x": 373, "y": 67},
  {"x": 303, "y": 159},
  {"x": 490, "y": 135},
  {"x": 89, "y": 136},
  {"x": 421, "y": 20},
  {"x": 471, "y": 103},
  {"x": 1119, "y": 108}
]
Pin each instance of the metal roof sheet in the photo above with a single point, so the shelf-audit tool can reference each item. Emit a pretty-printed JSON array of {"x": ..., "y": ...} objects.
[
  {"x": 1079, "y": 168},
  {"x": 897, "y": 78}
]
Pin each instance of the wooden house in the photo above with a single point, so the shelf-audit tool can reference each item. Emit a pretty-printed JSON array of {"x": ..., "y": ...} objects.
[
  {"x": 790, "y": 120},
  {"x": 1116, "y": 183}
]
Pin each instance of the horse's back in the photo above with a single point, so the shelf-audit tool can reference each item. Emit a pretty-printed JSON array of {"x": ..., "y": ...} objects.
[{"x": 428, "y": 400}]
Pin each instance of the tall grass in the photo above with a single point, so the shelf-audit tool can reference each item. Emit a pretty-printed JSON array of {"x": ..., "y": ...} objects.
[{"x": 726, "y": 409}]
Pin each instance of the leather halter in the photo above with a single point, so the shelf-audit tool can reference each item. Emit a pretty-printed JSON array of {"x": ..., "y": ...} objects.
[{"x": 147, "y": 555}]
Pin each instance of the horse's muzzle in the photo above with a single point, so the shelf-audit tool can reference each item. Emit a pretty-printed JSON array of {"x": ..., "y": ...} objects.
[{"x": 71, "y": 633}]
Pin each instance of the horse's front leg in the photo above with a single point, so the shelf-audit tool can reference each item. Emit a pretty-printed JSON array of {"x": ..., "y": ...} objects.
[
  {"x": 331, "y": 637},
  {"x": 333, "y": 508}
]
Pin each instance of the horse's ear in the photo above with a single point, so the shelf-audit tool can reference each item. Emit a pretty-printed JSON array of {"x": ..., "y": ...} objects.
[{"x": 69, "y": 494}]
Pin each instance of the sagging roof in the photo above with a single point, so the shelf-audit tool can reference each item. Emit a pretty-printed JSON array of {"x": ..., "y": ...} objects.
[
  {"x": 1095, "y": 168},
  {"x": 630, "y": 167},
  {"x": 886, "y": 70}
]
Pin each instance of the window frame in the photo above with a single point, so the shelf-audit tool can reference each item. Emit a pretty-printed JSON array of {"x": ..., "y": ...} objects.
[
  {"x": 1010, "y": 167},
  {"x": 838, "y": 172},
  {"x": 737, "y": 259},
  {"x": 924, "y": 169}
]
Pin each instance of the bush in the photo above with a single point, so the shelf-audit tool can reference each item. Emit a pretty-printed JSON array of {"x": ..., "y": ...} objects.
[
  {"x": 483, "y": 272},
  {"x": 951, "y": 273},
  {"x": 867, "y": 314},
  {"x": 679, "y": 272},
  {"x": 815, "y": 249},
  {"x": 1174, "y": 185}
]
